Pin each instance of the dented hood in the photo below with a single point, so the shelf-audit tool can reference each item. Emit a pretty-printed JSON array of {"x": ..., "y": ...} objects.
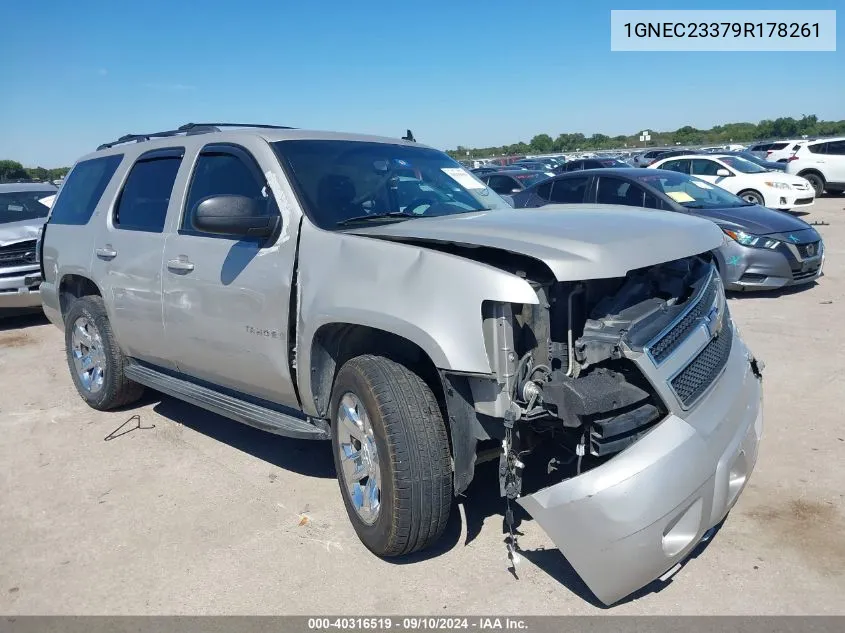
[
  {"x": 12, "y": 232},
  {"x": 575, "y": 242}
]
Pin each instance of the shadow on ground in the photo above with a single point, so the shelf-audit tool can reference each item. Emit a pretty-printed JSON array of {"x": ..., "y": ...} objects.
[
  {"x": 306, "y": 457},
  {"x": 19, "y": 319},
  {"x": 773, "y": 294},
  {"x": 480, "y": 502}
]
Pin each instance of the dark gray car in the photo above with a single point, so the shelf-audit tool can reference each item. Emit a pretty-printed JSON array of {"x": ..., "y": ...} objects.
[{"x": 763, "y": 249}]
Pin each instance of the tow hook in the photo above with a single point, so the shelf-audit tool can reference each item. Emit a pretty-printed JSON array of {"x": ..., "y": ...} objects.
[{"x": 757, "y": 366}]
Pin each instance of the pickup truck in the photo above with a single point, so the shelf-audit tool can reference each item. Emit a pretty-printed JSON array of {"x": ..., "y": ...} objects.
[{"x": 372, "y": 292}]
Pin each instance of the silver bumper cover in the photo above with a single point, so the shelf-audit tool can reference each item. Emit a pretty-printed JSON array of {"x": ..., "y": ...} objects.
[
  {"x": 19, "y": 287},
  {"x": 632, "y": 519}
]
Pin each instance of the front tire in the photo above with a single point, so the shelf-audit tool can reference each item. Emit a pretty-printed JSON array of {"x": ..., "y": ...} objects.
[
  {"x": 95, "y": 361},
  {"x": 391, "y": 453},
  {"x": 754, "y": 197},
  {"x": 816, "y": 181}
]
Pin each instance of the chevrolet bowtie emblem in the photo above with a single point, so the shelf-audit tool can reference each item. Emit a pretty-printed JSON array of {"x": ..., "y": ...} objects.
[{"x": 712, "y": 322}]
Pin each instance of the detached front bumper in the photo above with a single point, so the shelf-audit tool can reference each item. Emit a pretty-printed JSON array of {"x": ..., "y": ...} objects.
[
  {"x": 632, "y": 519},
  {"x": 19, "y": 288}
]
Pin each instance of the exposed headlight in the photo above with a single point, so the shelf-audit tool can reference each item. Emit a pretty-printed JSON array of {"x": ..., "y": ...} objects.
[
  {"x": 755, "y": 241},
  {"x": 779, "y": 185}
]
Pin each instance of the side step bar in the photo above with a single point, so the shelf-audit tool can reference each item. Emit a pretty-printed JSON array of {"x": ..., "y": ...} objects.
[{"x": 234, "y": 408}]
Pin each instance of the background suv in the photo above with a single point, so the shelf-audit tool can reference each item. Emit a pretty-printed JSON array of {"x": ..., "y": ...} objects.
[
  {"x": 822, "y": 163},
  {"x": 22, "y": 213}
]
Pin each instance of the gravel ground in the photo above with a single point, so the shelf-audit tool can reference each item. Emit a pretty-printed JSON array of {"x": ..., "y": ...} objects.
[{"x": 164, "y": 509}]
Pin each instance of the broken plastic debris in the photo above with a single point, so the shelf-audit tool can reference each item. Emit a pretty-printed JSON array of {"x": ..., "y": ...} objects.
[{"x": 303, "y": 521}]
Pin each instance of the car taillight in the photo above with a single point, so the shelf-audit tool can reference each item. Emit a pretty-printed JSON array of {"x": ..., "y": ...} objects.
[
  {"x": 769, "y": 152},
  {"x": 791, "y": 158}
]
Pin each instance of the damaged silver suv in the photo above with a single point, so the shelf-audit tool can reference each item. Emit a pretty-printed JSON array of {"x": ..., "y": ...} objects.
[{"x": 373, "y": 292}]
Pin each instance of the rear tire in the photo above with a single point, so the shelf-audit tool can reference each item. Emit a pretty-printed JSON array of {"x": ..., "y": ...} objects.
[
  {"x": 94, "y": 359},
  {"x": 816, "y": 181},
  {"x": 755, "y": 197},
  {"x": 384, "y": 413}
]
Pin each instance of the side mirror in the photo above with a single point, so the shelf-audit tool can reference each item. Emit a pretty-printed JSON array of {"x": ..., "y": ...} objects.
[
  {"x": 723, "y": 173},
  {"x": 234, "y": 215}
]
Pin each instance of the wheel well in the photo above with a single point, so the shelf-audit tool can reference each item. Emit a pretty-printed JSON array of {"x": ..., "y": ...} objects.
[
  {"x": 750, "y": 190},
  {"x": 335, "y": 343},
  {"x": 815, "y": 172},
  {"x": 75, "y": 286}
]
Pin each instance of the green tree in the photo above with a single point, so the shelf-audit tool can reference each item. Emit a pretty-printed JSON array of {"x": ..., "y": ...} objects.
[
  {"x": 542, "y": 143},
  {"x": 11, "y": 170}
]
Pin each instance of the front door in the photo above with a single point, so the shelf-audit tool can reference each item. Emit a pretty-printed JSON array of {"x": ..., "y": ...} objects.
[{"x": 226, "y": 298}]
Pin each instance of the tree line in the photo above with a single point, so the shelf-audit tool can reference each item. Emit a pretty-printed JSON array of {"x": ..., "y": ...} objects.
[
  {"x": 11, "y": 170},
  {"x": 783, "y": 127}
]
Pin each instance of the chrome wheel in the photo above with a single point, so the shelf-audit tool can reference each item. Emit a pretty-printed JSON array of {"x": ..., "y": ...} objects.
[
  {"x": 89, "y": 357},
  {"x": 359, "y": 457},
  {"x": 752, "y": 197}
]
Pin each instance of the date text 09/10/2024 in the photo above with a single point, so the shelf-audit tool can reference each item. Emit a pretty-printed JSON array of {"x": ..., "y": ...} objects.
[{"x": 417, "y": 623}]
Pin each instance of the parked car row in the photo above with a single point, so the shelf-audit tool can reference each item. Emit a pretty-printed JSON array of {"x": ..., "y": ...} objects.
[{"x": 766, "y": 249}]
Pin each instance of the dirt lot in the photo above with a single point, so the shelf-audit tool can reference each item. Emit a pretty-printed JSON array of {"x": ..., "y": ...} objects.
[{"x": 180, "y": 511}]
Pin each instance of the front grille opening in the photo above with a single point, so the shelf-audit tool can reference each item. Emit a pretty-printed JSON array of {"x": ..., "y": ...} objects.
[
  {"x": 664, "y": 347},
  {"x": 753, "y": 277},
  {"x": 691, "y": 383}
]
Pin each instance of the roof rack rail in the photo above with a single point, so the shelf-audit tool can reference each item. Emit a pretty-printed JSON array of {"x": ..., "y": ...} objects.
[{"x": 188, "y": 129}]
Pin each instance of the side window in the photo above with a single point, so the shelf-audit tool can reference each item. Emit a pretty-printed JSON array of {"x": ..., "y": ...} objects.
[
  {"x": 836, "y": 147},
  {"x": 568, "y": 190},
  {"x": 142, "y": 205},
  {"x": 681, "y": 166},
  {"x": 83, "y": 189},
  {"x": 502, "y": 184},
  {"x": 544, "y": 191},
  {"x": 575, "y": 165},
  {"x": 702, "y": 167},
  {"x": 818, "y": 148},
  {"x": 220, "y": 172},
  {"x": 651, "y": 202},
  {"x": 616, "y": 191}
]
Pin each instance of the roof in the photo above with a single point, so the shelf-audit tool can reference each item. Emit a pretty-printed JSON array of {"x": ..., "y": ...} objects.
[
  {"x": 14, "y": 187},
  {"x": 135, "y": 144}
]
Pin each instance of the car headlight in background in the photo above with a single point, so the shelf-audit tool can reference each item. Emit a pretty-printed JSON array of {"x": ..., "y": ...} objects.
[
  {"x": 755, "y": 241},
  {"x": 778, "y": 185}
]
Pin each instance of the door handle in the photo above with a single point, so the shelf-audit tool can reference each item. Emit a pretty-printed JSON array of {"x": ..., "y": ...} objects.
[
  {"x": 180, "y": 265},
  {"x": 107, "y": 252}
]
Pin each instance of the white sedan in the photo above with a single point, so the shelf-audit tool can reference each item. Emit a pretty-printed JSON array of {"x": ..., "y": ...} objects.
[{"x": 749, "y": 181}]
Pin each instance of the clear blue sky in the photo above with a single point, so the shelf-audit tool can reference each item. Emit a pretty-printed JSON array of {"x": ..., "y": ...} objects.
[{"x": 458, "y": 72}]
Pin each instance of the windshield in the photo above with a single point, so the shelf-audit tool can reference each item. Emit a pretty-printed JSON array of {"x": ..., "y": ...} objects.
[
  {"x": 743, "y": 165},
  {"x": 346, "y": 181},
  {"x": 23, "y": 205},
  {"x": 692, "y": 192},
  {"x": 613, "y": 162}
]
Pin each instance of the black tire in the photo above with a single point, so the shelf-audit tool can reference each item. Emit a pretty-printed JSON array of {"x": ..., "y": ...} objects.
[
  {"x": 413, "y": 455},
  {"x": 116, "y": 389},
  {"x": 816, "y": 181},
  {"x": 750, "y": 195}
]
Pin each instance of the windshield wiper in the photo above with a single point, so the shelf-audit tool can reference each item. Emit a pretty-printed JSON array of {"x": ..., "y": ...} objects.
[{"x": 398, "y": 215}]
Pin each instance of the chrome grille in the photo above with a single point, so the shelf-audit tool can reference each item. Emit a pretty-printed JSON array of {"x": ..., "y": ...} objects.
[
  {"x": 670, "y": 340},
  {"x": 694, "y": 379},
  {"x": 20, "y": 254}
]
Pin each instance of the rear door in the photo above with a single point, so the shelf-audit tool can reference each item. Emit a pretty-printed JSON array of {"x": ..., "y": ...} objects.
[
  {"x": 227, "y": 298},
  {"x": 834, "y": 168},
  {"x": 570, "y": 190},
  {"x": 127, "y": 255}
]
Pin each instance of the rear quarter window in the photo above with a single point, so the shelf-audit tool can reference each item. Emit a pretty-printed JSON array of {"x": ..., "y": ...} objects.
[{"x": 83, "y": 189}]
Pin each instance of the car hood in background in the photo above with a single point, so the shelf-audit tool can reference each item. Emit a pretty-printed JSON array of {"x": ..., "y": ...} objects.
[
  {"x": 11, "y": 232},
  {"x": 753, "y": 219},
  {"x": 776, "y": 176},
  {"x": 577, "y": 242}
]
